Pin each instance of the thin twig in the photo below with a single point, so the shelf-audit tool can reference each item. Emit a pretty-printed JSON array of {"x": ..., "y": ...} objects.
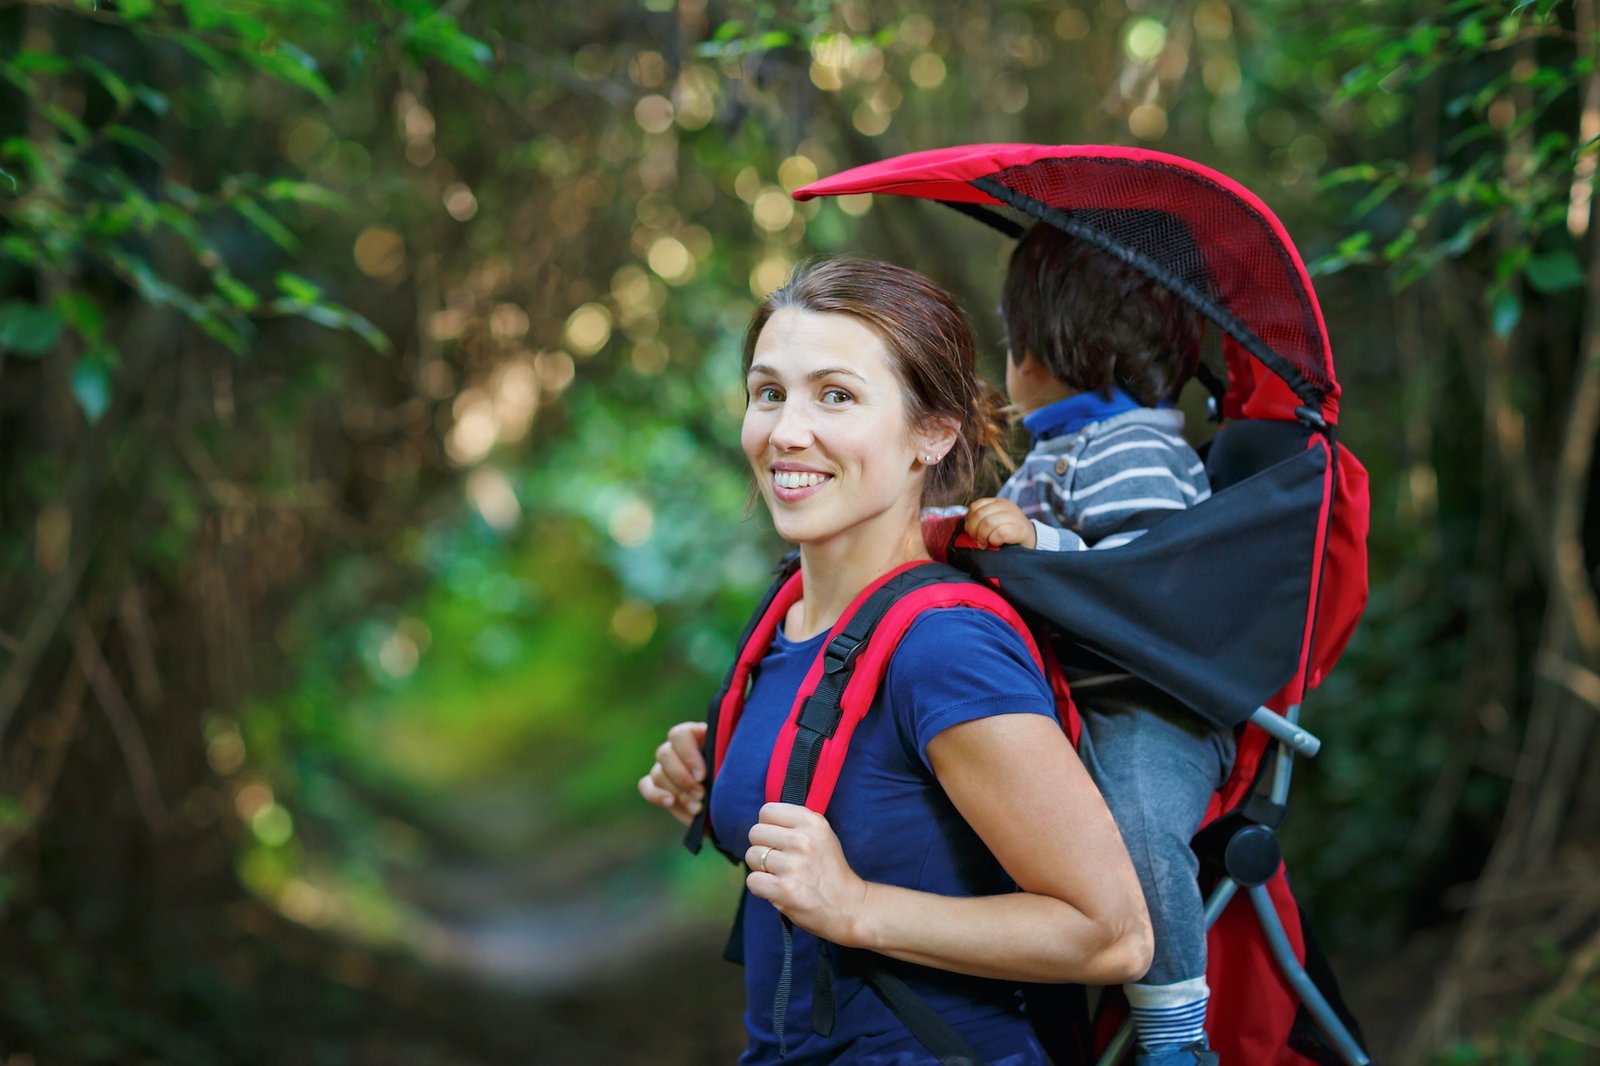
[
  {"x": 141, "y": 645},
  {"x": 1581, "y": 681},
  {"x": 135, "y": 753},
  {"x": 35, "y": 796}
]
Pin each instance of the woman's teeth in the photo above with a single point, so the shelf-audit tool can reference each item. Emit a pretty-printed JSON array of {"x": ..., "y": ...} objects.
[{"x": 795, "y": 479}]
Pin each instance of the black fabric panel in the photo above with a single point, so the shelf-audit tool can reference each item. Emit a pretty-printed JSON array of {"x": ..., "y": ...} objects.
[
  {"x": 1306, "y": 1036},
  {"x": 1060, "y": 1018},
  {"x": 1208, "y": 607}
]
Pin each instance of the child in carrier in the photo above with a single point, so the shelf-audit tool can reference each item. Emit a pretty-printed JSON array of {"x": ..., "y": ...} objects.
[{"x": 1098, "y": 351}]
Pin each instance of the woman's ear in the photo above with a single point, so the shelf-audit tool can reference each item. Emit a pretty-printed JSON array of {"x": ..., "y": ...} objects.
[{"x": 938, "y": 436}]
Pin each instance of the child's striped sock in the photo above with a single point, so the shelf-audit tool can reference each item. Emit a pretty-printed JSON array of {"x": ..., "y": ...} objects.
[{"x": 1169, "y": 1015}]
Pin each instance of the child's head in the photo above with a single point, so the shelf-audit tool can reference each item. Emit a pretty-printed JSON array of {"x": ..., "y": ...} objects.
[{"x": 1095, "y": 322}]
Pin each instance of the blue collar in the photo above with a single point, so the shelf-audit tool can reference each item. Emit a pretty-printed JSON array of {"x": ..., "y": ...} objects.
[{"x": 1073, "y": 413}]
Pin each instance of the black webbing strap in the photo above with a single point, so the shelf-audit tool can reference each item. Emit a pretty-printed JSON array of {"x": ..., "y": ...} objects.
[
  {"x": 822, "y": 992},
  {"x": 780, "y": 998},
  {"x": 821, "y": 713},
  {"x": 819, "y": 718},
  {"x": 695, "y": 835},
  {"x": 936, "y": 1034}
]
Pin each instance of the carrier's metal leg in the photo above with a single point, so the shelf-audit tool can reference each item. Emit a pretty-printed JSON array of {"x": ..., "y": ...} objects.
[
  {"x": 1295, "y": 974},
  {"x": 1122, "y": 1043}
]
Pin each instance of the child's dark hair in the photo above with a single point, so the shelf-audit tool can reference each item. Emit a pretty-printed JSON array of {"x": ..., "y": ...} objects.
[{"x": 1095, "y": 322}]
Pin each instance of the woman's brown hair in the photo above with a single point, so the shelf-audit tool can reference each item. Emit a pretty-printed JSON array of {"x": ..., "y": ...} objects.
[{"x": 931, "y": 345}]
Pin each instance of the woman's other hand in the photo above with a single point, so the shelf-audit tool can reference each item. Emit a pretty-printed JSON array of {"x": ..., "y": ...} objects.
[
  {"x": 994, "y": 522},
  {"x": 797, "y": 865},
  {"x": 677, "y": 780}
]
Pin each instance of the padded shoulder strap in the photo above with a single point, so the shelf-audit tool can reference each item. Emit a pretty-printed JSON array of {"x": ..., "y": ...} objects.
[
  {"x": 842, "y": 683},
  {"x": 723, "y": 711}
]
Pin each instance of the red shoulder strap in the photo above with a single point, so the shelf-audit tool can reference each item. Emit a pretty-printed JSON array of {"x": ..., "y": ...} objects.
[
  {"x": 871, "y": 664},
  {"x": 754, "y": 648}
]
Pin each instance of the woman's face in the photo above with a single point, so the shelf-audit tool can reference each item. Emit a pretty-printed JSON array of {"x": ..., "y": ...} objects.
[{"x": 826, "y": 431}]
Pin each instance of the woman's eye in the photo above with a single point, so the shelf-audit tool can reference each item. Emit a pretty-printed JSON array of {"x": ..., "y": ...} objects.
[
  {"x": 768, "y": 394},
  {"x": 835, "y": 397}
]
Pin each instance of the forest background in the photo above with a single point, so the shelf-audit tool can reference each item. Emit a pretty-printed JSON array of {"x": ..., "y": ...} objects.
[{"x": 370, "y": 499}]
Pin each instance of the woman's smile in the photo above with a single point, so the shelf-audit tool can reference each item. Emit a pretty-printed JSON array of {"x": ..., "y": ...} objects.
[{"x": 792, "y": 484}]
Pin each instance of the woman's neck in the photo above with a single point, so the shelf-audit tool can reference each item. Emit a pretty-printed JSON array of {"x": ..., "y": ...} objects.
[{"x": 835, "y": 571}]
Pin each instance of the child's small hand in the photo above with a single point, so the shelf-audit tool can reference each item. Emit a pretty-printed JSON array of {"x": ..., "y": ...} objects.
[{"x": 994, "y": 522}]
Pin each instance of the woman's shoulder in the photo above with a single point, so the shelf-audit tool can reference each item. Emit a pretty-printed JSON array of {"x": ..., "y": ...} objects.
[
  {"x": 961, "y": 654},
  {"x": 957, "y": 628}
]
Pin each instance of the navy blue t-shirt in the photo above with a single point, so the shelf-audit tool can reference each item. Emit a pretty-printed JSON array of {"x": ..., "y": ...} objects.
[{"x": 896, "y": 826}]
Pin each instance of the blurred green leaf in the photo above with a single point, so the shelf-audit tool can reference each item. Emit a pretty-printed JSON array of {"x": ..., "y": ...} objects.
[
  {"x": 33, "y": 61},
  {"x": 239, "y": 294},
  {"x": 155, "y": 102},
  {"x": 264, "y": 222},
  {"x": 1505, "y": 313},
  {"x": 1555, "y": 272},
  {"x": 28, "y": 329},
  {"x": 305, "y": 192},
  {"x": 120, "y": 134},
  {"x": 298, "y": 288},
  {"x": 79, "y": 311},
  {"x": 91, "y": 386},
  {"x": 109, "y": 79},
  {"x": 291, "y": 65}
]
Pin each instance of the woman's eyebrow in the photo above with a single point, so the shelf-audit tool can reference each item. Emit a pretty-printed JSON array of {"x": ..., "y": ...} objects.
[
  {"x": 815, "y": 375},
  {"x": 835, "y": 371}
]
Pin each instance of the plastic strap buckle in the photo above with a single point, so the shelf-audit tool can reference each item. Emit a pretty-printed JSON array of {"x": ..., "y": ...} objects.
[{"x": 840, "y": 653}]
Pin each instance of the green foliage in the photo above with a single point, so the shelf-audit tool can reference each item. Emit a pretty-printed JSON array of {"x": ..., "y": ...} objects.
[{"x": 103, "y": 194}]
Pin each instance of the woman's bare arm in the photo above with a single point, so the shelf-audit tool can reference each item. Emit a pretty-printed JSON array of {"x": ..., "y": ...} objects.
[{"x": 1079, "y": 916}]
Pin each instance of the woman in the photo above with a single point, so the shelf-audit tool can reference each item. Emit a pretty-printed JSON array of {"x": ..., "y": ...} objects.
[{"x": 964, "y": 836}]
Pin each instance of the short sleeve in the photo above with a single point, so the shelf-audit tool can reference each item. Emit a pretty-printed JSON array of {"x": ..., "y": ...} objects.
[{"x": 958, "y": 664}]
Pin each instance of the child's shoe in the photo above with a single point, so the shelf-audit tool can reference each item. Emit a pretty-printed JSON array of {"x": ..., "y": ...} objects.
[{"x": 1196, "y": 1054}]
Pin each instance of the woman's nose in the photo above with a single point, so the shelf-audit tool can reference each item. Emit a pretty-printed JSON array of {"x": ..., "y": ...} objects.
[{"x": 792, "y": 430}]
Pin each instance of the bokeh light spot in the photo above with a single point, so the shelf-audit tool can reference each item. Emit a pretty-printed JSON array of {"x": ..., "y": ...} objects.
[
  {"x": 856, "y": 205},
  {"x": 491, "y": 495},
  {"x": 653, "y": 113},
  {"x": 460, "y": 202},
  {"x": 671, "y": 259},
  {"x": 868, "y": 120},
  {"x": 633, "y": 623},
  {"x": 768, "y": 274},
  {"x": 773, "y": 209},
  {"x": 632, "y": 522},
  {"x": 1145, "y": 39},
  {"x": 555, "y": 370},
  {"x": 927, "y": 71},
  {"x": 796, "y": 171},
  {"x": 272, "y": 825},
  {"x": 508, "y": 322},
  {"x": 1072, "y": 25},
  {"x": 589, "y": 327},
  {"x": 1148, "y": 122},
  {"x": 379, "y": 252}
]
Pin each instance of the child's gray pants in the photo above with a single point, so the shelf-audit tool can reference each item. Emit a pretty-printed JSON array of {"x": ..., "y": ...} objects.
[{"x": 1157, "y": 770}]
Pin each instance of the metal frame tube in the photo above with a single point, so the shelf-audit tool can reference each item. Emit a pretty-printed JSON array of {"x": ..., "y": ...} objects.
[
  {"x": 1284, "y": 728},
  {"x": 1295, "y": 974}
]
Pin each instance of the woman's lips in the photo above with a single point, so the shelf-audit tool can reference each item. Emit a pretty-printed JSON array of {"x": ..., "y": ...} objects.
[{"x": 792, "y": 485}]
